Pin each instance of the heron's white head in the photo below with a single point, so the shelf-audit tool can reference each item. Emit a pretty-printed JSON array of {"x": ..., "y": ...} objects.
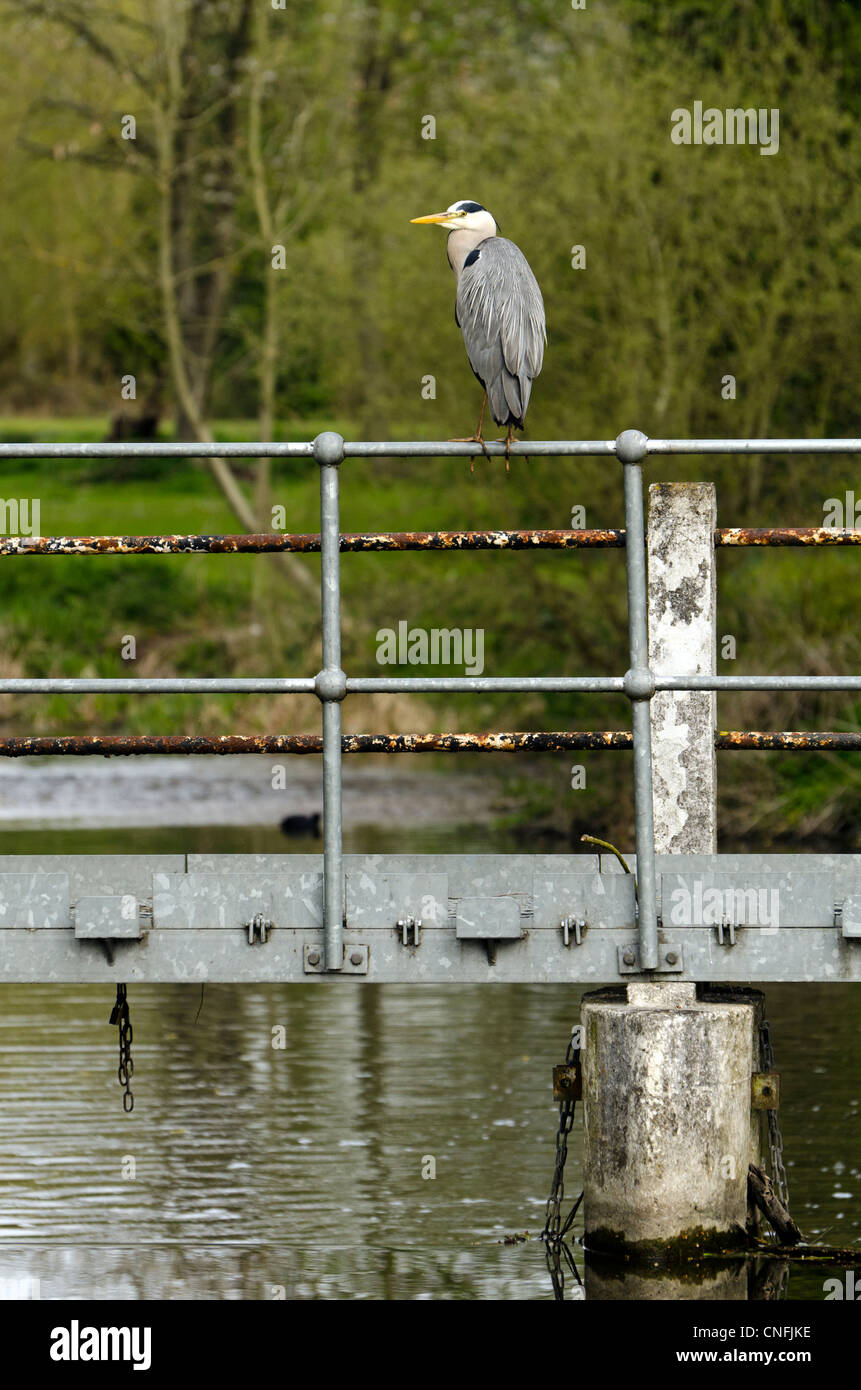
[{"x": 464, "y": 216}]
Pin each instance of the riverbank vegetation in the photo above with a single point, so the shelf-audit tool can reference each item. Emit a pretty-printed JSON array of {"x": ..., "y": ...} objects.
[{"x": 241, "y": 248}]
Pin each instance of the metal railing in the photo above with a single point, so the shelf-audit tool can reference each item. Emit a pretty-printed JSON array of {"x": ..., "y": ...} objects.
[{"x": 331, "y": 684}]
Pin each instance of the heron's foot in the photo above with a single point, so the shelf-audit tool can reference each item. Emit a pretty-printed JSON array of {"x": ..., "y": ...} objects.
[
  {"x": 507, "y": 441},
  {"x": 472, "y": 439}
]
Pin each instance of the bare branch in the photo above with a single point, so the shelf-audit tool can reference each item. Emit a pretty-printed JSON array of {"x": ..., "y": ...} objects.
[{"x": 73, "y": 20}]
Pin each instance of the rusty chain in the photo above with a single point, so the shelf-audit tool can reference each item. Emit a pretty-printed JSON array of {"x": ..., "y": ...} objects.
[
  {"x": 775, "y": 1138},
  {"x": 126, "y": 1068},
  {"x": 555, "y": 1249}
]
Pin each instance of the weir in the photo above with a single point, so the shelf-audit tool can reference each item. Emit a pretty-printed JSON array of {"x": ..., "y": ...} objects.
[{"x": 668, "y": 1058}]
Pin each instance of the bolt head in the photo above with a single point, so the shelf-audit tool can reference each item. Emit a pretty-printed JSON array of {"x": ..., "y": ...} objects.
[
  {"x": 356, "y": 958},
  {"x": 629, "y": 958},
  {"x": 313, "y": 957},
  {"x": 671, "y": 958}
]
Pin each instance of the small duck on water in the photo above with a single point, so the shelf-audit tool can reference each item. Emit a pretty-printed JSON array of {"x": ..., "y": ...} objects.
[{"x": 302, "y": 825}]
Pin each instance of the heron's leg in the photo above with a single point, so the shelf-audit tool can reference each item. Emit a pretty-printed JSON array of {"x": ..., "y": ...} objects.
[
  {"x": 508, "y": 441},
  {"x": 481, "y": 415},
  {"x": 476, "y": 438}
]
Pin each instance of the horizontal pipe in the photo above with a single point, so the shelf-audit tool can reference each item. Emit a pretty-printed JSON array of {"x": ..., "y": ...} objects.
[
  {"x": 158, "y": 685},
  {"x": 309, "y": 543},
  {"x": 370, "y": 449},
  {"x": 753, "y": 446},
  {"x": 785, "y": 535},
  {"x": 427, "y": 448},
  {"x": 758, "y": 682},
  {"x": 131, "y": 745},
  {"x": 533, "y": 448},
  {"x": 137, "y": 449},
  {"x": 267, "y": 542},
  {"x": 788, "y": 741},
  {"x": 367, "y": 685}
]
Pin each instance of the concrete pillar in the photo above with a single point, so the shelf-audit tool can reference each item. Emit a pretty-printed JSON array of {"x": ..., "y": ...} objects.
[
  {"x": 682, "y": 642},
  {"x": 666, "y": 1096}
]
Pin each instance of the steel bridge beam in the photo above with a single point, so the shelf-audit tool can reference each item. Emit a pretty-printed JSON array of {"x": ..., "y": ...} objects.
[{"x": 426, "y": 918}]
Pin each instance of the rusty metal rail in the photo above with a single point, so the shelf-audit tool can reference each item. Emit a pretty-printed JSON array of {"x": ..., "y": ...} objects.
[
  {"x": 786, "y": 535},
  {"x": 309, "y": 543},
  {"x": 788, "y": 742},
  {"x": 273, "y": 542},
  {"x": 622, "y": 740}
]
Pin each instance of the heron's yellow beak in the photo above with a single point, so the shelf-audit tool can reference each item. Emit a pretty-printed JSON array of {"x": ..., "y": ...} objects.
[{"x": 438, "y": 217}]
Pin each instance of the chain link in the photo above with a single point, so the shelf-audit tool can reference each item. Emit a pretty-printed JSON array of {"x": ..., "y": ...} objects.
[
  {"x": 554, "y": 1233},
  {"x": 775, "y": 1138},
  {"x": 126, "y": 1068}
]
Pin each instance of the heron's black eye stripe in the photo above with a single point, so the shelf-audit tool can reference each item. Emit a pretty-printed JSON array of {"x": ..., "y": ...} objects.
[
  {"x": 472, "y": 207},
  {"x": 472, "y": 258}
]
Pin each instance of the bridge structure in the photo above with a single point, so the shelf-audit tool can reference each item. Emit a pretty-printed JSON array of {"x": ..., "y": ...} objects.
[{"x": 685, "y": 913}]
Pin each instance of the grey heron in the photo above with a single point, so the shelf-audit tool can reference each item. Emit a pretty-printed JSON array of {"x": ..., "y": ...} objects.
[{"x": 498, "y": 309}]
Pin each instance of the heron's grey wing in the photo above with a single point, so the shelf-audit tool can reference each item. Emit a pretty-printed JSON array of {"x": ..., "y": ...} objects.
[{"x": 501, "y": 313}]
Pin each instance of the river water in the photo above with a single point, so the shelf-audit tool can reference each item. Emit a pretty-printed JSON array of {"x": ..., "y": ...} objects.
[
  {"x": 253, "y": 1171},
  {"x": 302, "y": 1167}
]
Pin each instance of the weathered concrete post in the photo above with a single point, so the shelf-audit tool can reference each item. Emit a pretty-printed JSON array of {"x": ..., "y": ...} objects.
[
  {"x": 666, "y": 1088},
  {"x": 666, "y": 1067},
  {"x": 683, "y": 641}
]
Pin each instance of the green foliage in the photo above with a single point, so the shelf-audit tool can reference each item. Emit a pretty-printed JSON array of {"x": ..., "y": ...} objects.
[{"x": 702, "y": 262}]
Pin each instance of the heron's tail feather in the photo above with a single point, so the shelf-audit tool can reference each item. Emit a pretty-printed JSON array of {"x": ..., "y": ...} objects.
[{"x": 509, "y": 398}]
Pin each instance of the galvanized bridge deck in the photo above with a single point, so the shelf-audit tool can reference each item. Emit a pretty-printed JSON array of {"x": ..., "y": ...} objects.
[
  {"x": 429, "y": 918},
  {"x": 426, "y": 918}
]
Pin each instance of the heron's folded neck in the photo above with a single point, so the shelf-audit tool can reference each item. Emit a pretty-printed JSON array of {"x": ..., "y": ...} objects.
[{"x": 459, "y": 246}]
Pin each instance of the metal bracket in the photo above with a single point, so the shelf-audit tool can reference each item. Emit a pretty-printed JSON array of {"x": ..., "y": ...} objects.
[
  {"x": 575, "y": 924},
  {"x": 671, "y": 960},
  {"x": 490, "y": 920},
  {"x": 356, "y": 960},
  {"x": 482, "y": 919},
  {"x": 850, "y": 916},
  {"x": 108, "y": 917},
  {"x": 410, "y": 926},
  {"x": 765, "y": 1090},
  {"x": 259, "y": 927},
  {"x": 729, "y": 928}
]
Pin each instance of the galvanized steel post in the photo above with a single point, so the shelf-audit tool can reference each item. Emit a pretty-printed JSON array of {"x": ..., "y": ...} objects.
[
  {"x": 331, "y": 687},
  {"x": 631, "y": 448}
]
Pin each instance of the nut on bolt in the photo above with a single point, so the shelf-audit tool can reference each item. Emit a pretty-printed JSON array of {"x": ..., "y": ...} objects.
[{"x": 313, "y": 957}]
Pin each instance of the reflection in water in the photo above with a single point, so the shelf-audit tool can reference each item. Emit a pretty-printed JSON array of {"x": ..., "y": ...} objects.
[{"x": 300, "y": 1168}]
